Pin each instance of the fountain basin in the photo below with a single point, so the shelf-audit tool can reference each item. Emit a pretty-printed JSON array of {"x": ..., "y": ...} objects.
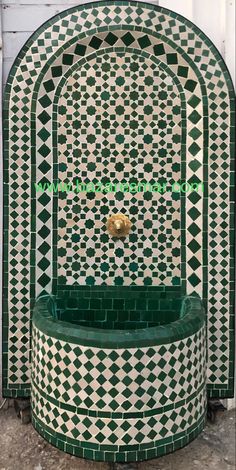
[{"x": 119, "y": 394}]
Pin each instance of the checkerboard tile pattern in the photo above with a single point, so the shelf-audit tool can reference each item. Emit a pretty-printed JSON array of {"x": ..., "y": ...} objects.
[
  {"x": 117, "y": 400},
  {"x": 118, "y": 380},
  {"x": 207, "y": 95},
  {"x": 126, "y": 432}
]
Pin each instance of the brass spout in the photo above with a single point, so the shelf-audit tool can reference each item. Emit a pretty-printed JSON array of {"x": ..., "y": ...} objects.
[{"x": 118, "y": 225}]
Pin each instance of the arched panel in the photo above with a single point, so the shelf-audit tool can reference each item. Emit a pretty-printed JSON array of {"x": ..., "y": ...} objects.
[{"x": 87, "y": 76}]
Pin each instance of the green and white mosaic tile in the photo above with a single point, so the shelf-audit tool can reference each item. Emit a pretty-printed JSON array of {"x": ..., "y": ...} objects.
[
  {"x": 191, "y": 244},
  {"x": 121, "y": 401},
  {"x": 117, "y": 144},
  {"x": 121, "y": 380}
]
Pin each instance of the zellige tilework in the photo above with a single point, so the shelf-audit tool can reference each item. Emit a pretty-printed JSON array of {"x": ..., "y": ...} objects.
[
  {"x": 71, "y": 47},
  {"x": 121, "y": 402},
  {"x": 118, "y": 144}
]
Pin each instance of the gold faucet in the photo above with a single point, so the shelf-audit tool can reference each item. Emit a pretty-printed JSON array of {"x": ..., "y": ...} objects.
[{"x": 118, "y": 225}]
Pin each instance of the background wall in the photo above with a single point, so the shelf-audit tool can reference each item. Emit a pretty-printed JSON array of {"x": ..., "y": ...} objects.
[{"x": 20, "y": 18}]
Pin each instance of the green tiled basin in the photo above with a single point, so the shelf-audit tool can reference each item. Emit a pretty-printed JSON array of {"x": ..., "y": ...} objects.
[{"x": 120, "y": 394}]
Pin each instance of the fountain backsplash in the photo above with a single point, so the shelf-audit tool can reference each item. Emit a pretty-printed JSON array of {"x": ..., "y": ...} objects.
[
  {"x": 118, "y": 308},
  {"x": 122, "y": 131},
  {"x": 116, "y": 92}
]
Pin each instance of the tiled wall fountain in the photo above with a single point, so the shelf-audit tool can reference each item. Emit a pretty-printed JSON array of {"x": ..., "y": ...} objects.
[{"x": 116, "y": 364}]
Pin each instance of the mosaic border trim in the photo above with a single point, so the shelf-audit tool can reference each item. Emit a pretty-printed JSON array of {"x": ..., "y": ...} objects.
[{"x": 163, "y": 447}]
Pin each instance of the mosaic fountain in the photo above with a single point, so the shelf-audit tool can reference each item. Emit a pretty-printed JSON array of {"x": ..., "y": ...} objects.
[{"x": 109, "y": 297}]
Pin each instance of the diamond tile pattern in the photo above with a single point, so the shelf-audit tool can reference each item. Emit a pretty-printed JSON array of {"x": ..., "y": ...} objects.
[
  {"x": 107, "y": 431},
  {"x": 157, "y": 141},
  {"x": 121, "y": 380},
  {"x": 111, "y": 380},
  {"x": 206, "y": 91}
]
